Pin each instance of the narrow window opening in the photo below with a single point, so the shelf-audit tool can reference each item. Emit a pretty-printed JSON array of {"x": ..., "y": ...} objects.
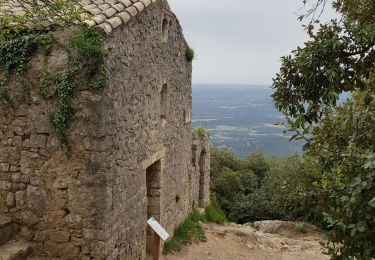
[
  {"x": 202, "y": 173},
  {"x": 164, "y": 102},
  {"x": 164, "y": 30}
]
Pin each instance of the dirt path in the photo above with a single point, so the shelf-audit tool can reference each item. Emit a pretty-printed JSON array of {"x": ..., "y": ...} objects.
[{"x": 265, "y": 240}]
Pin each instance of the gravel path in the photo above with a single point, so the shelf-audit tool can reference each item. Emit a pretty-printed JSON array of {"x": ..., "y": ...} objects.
[{"x": 240, "y": 242}]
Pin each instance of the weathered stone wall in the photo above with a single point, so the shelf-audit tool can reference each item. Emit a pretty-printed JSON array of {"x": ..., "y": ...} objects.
[
  {"x": 92, "y": 202},
  {"x": 142, "y": 60}
]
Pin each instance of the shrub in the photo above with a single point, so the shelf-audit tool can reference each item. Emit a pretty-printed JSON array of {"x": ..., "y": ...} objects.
[{"x": 190, "y": 54}]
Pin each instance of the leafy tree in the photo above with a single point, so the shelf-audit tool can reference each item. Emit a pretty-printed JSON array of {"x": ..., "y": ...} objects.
[
  {"x": 340, "y": 57},
  {"x": 344, "y": 147}
]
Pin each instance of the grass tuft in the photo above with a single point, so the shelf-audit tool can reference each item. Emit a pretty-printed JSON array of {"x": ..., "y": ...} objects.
[
  {"x": 200, "y": 131},
  {"x": 301, "y": 227},
  {"x": 186, "y": 233},
  {"x": 213, "y": 214}
]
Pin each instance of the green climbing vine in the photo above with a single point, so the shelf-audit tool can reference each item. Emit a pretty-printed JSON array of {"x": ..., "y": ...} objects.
[
  {"x": 85, "y": 68},
  {"x": 15, "y": 52}
]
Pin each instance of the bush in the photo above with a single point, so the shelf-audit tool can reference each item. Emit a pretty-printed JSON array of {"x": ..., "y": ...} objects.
[
  {"x": 256, "y": 188},
  {"x": 190, "y": 54}
]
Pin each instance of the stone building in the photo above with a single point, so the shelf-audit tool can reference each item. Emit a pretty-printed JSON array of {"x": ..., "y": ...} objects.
[{"x": 133, "y": 154}]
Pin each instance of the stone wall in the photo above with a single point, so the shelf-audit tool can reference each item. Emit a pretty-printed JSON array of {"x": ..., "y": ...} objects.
[{"x": 132, "y": 150}]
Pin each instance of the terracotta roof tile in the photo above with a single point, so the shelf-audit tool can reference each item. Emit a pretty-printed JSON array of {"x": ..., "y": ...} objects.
[{"x": 105, "y": 14}]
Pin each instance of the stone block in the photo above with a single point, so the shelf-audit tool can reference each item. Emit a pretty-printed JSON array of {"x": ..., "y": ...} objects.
[
  {"x": 16, "y": 177},
  {"x": 38, "y": 141},
  {"x": 11, "y": 201},
  {"x": 5, "y": 185},
  {"x": 29, "y": 218},
  {"x": 20, "y": 199},
  {"x": 36, "y": 199},
  {"x": 4, "y": 167},
  {"x": 61, "y": 182},
  {"x": 60, "y": 236},
  {"x": 26, "y": 233}
]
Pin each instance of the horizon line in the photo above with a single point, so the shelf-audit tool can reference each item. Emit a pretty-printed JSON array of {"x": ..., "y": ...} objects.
[{"x": 233, "y": 84}]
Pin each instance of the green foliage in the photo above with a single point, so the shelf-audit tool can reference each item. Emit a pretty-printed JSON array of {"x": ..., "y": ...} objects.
[
  {"x": 344, "y": 147},
  {"x": 220, "y": 159},
  {"x": 282, "y": 189},
  {"x": 186, "y": 233},
  {"x": 339, "y": 58},
  {"x": 201, "y": 131},
  {"x": 15, "y": 53},
  {"x": 190, "y": 54},
  {"x": 60, "y": 13},
  {"x": 213, "y": 214},
  {"x": 256, "y": 163},
  {"x": 85, "y": 66},
  {"x": 227, "y": 187}
]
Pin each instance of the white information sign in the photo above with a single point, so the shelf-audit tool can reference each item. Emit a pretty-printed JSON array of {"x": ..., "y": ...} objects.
[{"x": 158, "y": 228}]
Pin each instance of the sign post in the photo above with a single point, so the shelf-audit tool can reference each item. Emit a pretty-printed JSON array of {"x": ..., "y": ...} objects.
[{"x": 159, "y": 233}]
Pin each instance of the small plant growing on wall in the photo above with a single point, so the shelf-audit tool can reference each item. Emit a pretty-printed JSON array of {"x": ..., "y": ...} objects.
[
  {"x": 190, "y": 54},
  {"x": 200, "y": 131}
]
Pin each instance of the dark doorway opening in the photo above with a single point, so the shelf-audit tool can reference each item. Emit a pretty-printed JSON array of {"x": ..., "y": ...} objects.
[{"x": 153, "y": 174}]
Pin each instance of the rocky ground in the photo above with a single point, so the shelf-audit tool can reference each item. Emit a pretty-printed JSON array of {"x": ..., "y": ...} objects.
[{"x": 260, "y": 240}]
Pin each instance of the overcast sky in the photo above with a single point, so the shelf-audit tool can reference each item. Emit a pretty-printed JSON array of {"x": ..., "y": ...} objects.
[{"x": 239, "y": 41}]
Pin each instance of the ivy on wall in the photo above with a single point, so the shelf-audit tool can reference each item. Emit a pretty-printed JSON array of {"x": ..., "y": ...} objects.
[{"x": 85, "y": 67}]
